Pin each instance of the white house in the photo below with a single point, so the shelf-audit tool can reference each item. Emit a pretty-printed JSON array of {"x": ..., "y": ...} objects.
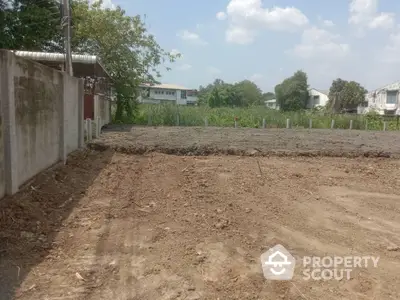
[
  {"x": 167, "y": 93},
  {"x": 385, "y": 100},
  {"x": 271, "y": 104},
  {"x": 317, "y": 98}
]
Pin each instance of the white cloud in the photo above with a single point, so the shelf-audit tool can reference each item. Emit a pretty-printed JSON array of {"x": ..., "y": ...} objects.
[
  {"x": 192, "y": 37},
  {"x": 184, "y": 67},
  {"x": 248, "y": 17},
  {"x": 328, "y": 23},
  {"x": 221, "y": 16},
  {"x": 364, "y": 14},
  {"x": 320, "y": 43},
  {"x": 213, "y": 70},
  {"x": 239, "y": 35},
  {"x": 392, "y": 50},
  {"x": 106, "y": 4},
  {"x": 175, "y": 52}
]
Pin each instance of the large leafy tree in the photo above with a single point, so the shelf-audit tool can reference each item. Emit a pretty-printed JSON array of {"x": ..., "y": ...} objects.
[
  {"x": 30, "y": 25},
  {"x": 243, "y": 93},
  {"x": 130, "y": 54},
  {"x": 345, "y": 95},
  {"x": 292, "y": 93}
]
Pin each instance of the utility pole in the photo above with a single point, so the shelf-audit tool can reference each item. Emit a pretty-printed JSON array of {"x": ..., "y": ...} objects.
[{"x": 66, "y": 24}]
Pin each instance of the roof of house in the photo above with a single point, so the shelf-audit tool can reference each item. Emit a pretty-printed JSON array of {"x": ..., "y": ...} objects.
[
  {"x": 79, "y": 61},
  {"x": 326, "y": 92},
  {"x": 165, "y": 86},
  {"x": 391, "y": 86}
]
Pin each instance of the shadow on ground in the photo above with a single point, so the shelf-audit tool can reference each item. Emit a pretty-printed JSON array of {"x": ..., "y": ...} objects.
[{"x": 31, "y": 219}]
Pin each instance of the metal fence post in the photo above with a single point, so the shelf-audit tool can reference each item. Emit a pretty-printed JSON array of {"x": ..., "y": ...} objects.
[
  {"x": 384, "y": 126},
  {"x": 351, "y": 124},
  {"x": 332, "y": 124}
]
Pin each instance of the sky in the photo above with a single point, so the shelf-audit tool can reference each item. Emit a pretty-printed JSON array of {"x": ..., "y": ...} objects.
[{"x": 267, "y": 41}]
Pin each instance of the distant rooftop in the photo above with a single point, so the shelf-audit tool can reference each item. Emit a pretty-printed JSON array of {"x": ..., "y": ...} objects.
[
  {"x": 165, "y": 86},
  {"x": 326, "y": 92}
]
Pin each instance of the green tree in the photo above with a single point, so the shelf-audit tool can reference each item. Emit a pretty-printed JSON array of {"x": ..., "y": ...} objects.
[
  {"x": 30, "y": 25},
  {"x": 345, "y": 95},
  {"x": 249, "y": 92},
  {"x": 130, "y": 54},
  {"x": 292, "y": 93},
  {"x": 268, "y": 96}
]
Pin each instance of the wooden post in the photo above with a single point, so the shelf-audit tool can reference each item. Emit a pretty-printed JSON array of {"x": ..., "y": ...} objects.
[
  {"x": 366, "y": 125},
  {"x": 177, "y": 119},
  {"x": 205, "y": 121},
  {"x": 384, "y": 126},
  {"x": 235, "y": 124},
  {"x": 332, "y": 124},
  {"x": 351, "y": 124},
  {"x": 288, "y": 125},
  {"x": 264, "y": 123},
  {"x": 149, "y": 120},
  {"x": 310, "y": 123}
]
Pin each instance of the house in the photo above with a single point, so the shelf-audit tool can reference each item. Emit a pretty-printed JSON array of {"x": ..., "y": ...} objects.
[
  {"x": 384, "y": 101},
  {"x": 97, "y": 82},
  {"x": 317, "y": 98},
  {"x": 167, "y": 93},
  {"x": 271, "y": 104}
]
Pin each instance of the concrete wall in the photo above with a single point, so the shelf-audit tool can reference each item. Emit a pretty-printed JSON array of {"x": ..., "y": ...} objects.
[
  {"x": 42, "y": 118},
  {"x": 102, "y": 109},
  {"x": 2, "y": 182}
]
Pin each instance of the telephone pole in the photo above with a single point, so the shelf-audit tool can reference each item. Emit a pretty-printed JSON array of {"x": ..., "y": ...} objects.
[{"x": 66, "y": 24}]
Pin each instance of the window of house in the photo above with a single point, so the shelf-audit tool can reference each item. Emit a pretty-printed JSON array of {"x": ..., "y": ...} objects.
[
  {"x": 316, "y": 100},
  {"x": 183, "y": 94},
  {"x": 391, "y": 97}
]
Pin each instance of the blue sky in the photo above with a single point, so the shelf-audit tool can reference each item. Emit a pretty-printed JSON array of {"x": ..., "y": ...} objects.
[{"x": 268, "y": 40}]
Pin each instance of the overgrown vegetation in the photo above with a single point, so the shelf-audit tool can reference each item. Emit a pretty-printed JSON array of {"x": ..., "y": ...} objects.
[
  {"x": 345, "y": 95},
  {"x": 292, "y": 93},
  {"x": 170, "y": 115}
]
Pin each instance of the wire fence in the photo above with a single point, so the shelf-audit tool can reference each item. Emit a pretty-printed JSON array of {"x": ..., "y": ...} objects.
[{"x": 257, "y": 117}]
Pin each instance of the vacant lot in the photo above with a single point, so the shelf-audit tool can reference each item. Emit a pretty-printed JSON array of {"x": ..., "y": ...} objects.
[
  {"x": 112, "y": 225},
  {"x": 264, "y": 142}
]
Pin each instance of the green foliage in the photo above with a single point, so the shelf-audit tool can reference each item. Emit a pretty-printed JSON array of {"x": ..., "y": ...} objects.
[
  {"x": 30, "y": 25},
  {"x": 268, "y": 96},
  {"x": 292, "y": 93},
  {"x": 345, "y": 95},
  {"x": 219, "y": 93},
  {"x": 166, "y": 115},
  {"x": 129, "y": 53}
]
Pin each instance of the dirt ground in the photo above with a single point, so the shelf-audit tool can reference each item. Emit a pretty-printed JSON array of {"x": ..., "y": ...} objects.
[
  {"x": 113, "y": 225},
  {"x": 245, "y": 141}
]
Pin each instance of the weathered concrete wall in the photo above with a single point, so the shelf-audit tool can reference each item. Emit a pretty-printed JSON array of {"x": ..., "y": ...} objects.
[
  {"x": 71, "y": 112},
  {"x": 2, "y": 179},
  {"x": 102, "y": 109},
  {"x": 41, "y": 119},
  {"x": 38, "y": 96}
]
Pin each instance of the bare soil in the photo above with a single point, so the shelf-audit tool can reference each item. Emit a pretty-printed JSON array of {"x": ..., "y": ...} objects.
[
  {"x": 112, "y": 225},
  {"x": 248, "y": 141}
]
